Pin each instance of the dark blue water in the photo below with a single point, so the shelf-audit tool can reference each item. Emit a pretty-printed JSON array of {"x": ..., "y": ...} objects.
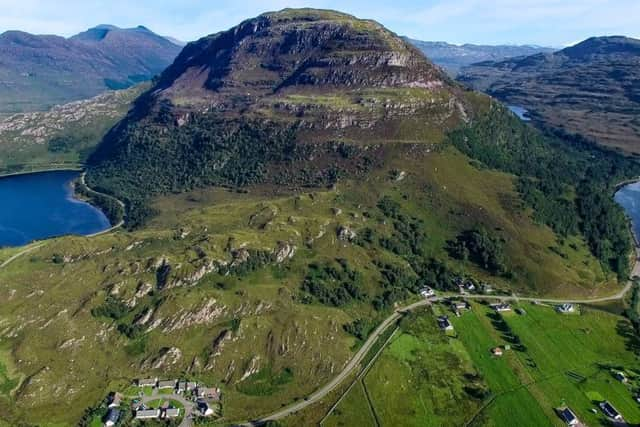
[
  {"x": 522, "y": 113},
  {"x": 629, "y": 198},
  {"x": 41, "y": 205}
]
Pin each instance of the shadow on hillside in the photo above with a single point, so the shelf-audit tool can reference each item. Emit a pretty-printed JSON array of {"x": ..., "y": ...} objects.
[{"x": 625, "y": 329}]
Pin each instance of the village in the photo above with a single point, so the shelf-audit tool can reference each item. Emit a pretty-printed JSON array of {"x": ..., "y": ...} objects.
[
  {"x": 159, "y": 399},
  {"x": 458, "y": 305}
]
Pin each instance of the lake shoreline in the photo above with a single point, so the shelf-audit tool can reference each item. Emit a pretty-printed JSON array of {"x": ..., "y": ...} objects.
[
  {"x": 52, "y": 207},
  {"x": 78, "y": 168}
]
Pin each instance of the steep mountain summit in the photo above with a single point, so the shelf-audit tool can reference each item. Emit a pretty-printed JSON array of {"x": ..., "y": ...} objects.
[
  {"x": 271, "y": 99},
  {"x": 292, "y": 50},
  {"x": 592, "y": 88}
]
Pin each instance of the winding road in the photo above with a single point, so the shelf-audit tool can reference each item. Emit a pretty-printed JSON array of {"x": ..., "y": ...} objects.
[{"x": 397, "y": 314}]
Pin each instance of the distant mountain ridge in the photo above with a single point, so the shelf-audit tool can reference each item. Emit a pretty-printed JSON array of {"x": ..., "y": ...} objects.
[
  {"x": 39, "y": 71},
  {"x": 592, "y": 88},
  {"x": 453, "y": 57}
]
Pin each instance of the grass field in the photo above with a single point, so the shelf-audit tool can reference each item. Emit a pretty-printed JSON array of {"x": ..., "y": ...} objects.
[
  {"x": 419, "y": 380},
  {"x": 564, "y": 360}
]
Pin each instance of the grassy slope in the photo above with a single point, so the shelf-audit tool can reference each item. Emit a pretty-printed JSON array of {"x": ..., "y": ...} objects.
[
  {"x": 525, "y": 386},
  {"x": 24, "y": 138},
  {"x": 51, "y": 303}
]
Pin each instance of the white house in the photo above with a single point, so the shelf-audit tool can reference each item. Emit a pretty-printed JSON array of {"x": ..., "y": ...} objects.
[
  {"x": 427, "y": 292},
  {"x": 146, "y": 414}
]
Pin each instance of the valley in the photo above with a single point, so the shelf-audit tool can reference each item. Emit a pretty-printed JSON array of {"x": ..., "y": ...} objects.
[{"x": 319, "y": 227}]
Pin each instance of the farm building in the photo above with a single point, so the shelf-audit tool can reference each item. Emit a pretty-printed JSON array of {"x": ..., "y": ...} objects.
[{"x": 497, "y": 351}]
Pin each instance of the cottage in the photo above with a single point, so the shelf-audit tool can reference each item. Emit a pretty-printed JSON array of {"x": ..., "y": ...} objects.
[
  {"x": 114, "y": 400},
  {"x": 112, "y": 417},
  {"x": 470, "y": 286},
  {"x": 167, "y": 384},
  {"x": 191, "y": 385},
  {"x": 172, "y": 413},
  {"x": 182, "y": 387},
  {"x": 568, "y": 416},
  {"x": 427, "y": 292},
  {"x": 146, "y": 414},
  {"x": 521, "y": 311},
  {"x": 620, "y": 376},
  {"x": 610, "y": 411},
  {"x": 204, "y": 408},
  {"x": 497, "y": 351},
  {"x": 209, "y": 393},
  {"x": 500, "y": 307},
  {"x": 566, "y": 308},
  {"x": 444, "y": 323},
  {"x": 459, "y": 305},
  {"x": 147, "y": 382}
]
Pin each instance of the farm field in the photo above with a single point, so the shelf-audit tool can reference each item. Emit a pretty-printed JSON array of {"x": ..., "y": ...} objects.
[{"x": 425, "y": 377}]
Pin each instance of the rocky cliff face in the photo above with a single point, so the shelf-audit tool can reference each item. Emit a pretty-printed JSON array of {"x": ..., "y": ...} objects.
[
  {"x": 292, "y": 51},
  {"x": 296, "y": 97}
]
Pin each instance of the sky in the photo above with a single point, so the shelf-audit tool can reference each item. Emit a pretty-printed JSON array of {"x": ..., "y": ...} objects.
[{"x": 554, "y": 23}]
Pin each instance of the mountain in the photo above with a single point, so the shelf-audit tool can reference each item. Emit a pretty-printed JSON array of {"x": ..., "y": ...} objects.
[
  {"x": 591, "y": 89},
  {"x": 272, "y": 90},
  {"x": 37, "y": 72},
  {"x": 290, "y": 184},
  {"x": 454, "y": 57}
]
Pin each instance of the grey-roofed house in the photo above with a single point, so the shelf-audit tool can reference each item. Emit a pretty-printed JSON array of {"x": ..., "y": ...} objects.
[
  {"x": 500, "y": 307},
  {"x": 610, "y": 411},
  {"x": 147, "y": 382},
  {"x": 112, "y": 417},
  {"x": 444, "y": 323},
  {"x": 210, "y": 393},
  {"x": 568, "y": 416},
  {"x": 145, "y": 414},
  {"x": 167, "y": 384},
  {"x": 172, "y": 412},
  {"x": 204, "y": 408}
]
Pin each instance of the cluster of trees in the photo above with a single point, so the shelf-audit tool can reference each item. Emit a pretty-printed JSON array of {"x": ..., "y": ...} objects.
[
  {"x": 145, "y": 156},
  {"x": 564, "y": 178},
  {"x": 333, "y": 283},
  {"x": 359, "y": 328},
  {"x": 481, "y": 248},
  {"x": 107, "y": 204}
]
